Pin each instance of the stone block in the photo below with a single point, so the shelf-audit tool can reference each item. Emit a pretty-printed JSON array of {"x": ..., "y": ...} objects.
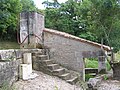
[
  {"x": 36, "y": 66},
  {"x": 7, "y": 65},
  {"x": 25, "y": 71},
  {"x": 0, "y": 68},
  {"x": 101, "y": 65},
  {"x": 29, "y": 68},
  {"x": 4, "y": 66},
  {"x": 27, "y": 58}
]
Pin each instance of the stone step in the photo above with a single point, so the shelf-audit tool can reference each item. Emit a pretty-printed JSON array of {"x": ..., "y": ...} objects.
[
  {"x": 53, "y": 66},
  {"x": 47, "y": 62},
  {"x": 72, "y": 81},
  {"x": 93, "y": 74},
  {"x": 59, "y": 72},
  {"x": 91, "y": 70},
  {"x": 65, "y": 76},
  {"x": 42, "y": 57},
  {"x": 36, "y": 53}
]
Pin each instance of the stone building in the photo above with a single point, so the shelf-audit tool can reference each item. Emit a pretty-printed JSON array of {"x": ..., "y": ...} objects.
[{"x": 67, "y": 50}]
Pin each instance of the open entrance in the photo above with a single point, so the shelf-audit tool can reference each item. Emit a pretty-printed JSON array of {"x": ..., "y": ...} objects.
[{"x": 92, "y": 67}]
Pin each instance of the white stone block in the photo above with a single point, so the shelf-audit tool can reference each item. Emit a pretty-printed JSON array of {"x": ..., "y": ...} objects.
[
  {"x": 24, "y": 71},
  {"x": 27, "y": 58},
  {"x": 29, "y": 68}
]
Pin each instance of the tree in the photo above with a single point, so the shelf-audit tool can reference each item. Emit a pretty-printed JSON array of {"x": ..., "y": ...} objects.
[
  {"x": 103, "y": 19},
  {"x": 9, "y": 11},
  {"x": 28, "y": 5},
  {"x": 67, "y": 18},
  {"x": 9, "y": 15},
  {"x": 54, "y": 4},
  {"x": 90, "y": 19}
]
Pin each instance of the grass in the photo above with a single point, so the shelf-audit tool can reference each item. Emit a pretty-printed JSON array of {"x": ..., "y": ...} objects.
[
  {"x": 9, "y": 45},
  {"x": 93, "y": 63},
  {"x": 88, "y": 76}
]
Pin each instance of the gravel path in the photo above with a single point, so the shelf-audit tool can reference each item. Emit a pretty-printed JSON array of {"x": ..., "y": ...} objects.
[
  {"x": 45, "y": 82},
  {"x": 109, "y": 85}
]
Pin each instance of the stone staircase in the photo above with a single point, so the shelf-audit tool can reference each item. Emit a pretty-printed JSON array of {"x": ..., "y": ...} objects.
[
  {"x": 91, "y": 71},
  {"x": 42, "y": 62}
]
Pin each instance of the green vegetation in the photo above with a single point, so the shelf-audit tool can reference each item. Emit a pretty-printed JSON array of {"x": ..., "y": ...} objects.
[
  {"x": 9, "y": 45},
  {"x": 105, "y": 77},
  {"x": 9, "y": 16},
  {"x": 88, "y": 76},
  {"x": 93, "y": 63},
  {"x": 56, "y": 88},
  {"x": 90, "y": 19},
  {"x": 94, "y": 20}
]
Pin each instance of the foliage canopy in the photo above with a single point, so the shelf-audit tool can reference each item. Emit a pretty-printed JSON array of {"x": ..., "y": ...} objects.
[{"x": 90, "y": 19}]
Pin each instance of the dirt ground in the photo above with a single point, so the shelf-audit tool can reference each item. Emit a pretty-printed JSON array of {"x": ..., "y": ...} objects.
[
  {"x": 45, "y": 82},
  {"x": 109, "y": 85}
]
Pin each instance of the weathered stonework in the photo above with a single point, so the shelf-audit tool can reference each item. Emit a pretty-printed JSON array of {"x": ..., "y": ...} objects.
[
  {"x": 31, "y": 28},
  {"x": 9, "y": 64},
  {"x": 68, "y": 50},
  {"x": 65, "y": 49},
  {"x": 9, "y": 71},
  {"x": 101, "y": 65},
  {"x": 116, "y": 70}
]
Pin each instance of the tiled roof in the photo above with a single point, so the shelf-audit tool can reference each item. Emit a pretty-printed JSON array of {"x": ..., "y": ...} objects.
[{"x": 66, "y": 35}]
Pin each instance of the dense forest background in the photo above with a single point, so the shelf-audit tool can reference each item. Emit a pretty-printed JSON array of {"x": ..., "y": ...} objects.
[{"x": 95, "y": 20}]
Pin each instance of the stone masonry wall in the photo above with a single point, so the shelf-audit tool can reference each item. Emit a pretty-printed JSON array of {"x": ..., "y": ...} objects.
[
  {"x": 9, "y": 71},
  {"x": 66, "y": 50},
  {"x": 9, "y": 64},
  {"x": 31, "y": 25}
]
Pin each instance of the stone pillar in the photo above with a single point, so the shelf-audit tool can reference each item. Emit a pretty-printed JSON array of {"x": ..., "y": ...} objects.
[
  {"x": 26, "y": 67},
  {"x": 27, "y": 59},
  {"x": 83, "y": 73},
  {"x": 101, "y": 65},
  {"x": 31, "y": 26}
]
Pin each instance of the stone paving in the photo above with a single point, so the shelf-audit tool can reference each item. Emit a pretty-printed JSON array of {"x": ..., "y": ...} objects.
[
  {"x": 109, "y": 85},
  {"x": 45, "y": 82}
]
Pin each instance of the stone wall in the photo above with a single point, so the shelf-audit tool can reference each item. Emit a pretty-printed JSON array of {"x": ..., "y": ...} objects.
[
  {"x": 67, "y": 49},
  {"x": 31, "y": 28},
  {"x": 9, "y": 71},
  {"x": 9, "y": 64}
]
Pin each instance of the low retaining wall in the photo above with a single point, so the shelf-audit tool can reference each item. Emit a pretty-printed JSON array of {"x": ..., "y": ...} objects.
[
  {"x": 9, "y": 64},
  {"x": 9, "y": 71}
]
